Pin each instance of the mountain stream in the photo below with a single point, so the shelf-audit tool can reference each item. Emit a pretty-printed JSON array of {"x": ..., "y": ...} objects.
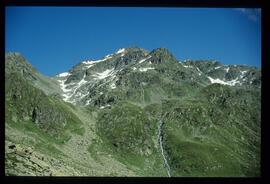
[{"x": 160, "y": 142}]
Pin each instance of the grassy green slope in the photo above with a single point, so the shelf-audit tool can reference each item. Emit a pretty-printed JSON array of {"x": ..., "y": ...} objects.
[
  {"x": 129, "y": 134},
  {"x": 57, "y": 145},
  {"x": 214, "y": 138},
  {"x": 53, "y": 125}
]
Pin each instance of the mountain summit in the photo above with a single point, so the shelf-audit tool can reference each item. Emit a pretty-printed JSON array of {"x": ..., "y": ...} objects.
[
  {"x": 162, "y": 55},
  {"x": 116, "y": 72}
]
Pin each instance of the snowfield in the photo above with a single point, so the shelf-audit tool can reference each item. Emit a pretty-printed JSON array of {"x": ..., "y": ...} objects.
[{"x": 65, "y": 74}]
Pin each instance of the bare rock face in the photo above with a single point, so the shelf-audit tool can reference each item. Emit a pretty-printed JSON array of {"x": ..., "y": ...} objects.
[{"x": 162, "y": 55}]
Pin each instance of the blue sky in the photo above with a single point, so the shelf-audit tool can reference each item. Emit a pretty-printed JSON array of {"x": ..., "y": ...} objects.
[{"x": 54, "y": 39}]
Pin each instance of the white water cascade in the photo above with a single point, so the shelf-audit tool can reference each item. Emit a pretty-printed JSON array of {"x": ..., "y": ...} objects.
[{"x": 160, "y": 139}]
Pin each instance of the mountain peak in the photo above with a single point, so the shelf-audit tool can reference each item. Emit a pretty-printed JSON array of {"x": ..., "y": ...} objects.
[
  {"x": 15, "y": 57},
  {"x": 8, "y": 54},
  {"x": 162, "y": 55},
  {"x": 16, "y": 62},
  {"x": 135, "y": 49}
]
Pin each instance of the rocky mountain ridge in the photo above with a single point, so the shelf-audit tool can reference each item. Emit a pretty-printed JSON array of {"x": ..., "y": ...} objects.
[{"x": 107, "y": 73}]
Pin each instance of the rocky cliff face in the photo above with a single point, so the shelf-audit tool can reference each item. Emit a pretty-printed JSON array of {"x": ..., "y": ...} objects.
[
  {"x": 102, "y": 117},
  {"x": 232, "y": 75}
]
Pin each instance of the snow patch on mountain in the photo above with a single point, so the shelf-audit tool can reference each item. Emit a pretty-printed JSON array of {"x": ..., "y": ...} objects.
[
  {"x": 145, "y": 69},
  {"x": 104, "y": 74},
  {"x": 102, "y": 107},
  {"x": 88, "y": 101},
  {"x": 63, "y": 87},
  {"x": 200, "y": 72},
  {"x": 227, "y": 69},
  {"x": 88, "y": 66},
  {"x": 217, "y": 81},
  {"x": 141, "y": 61},
  {"x": 108, "y": 56},
  {"x": 65, "y": 74},
  {"x": 84, "y": 95},
  {"x": 187, "y": 66},
  {"x": 90, "y": 63},
  {"x": 83, "y": 81},
  {"x": 120, "y": 51},
  {"x": 230, "y": 83},
  {"x": 68, "y": 93},
  {"x": 113, "y": 86},
  {"x": 234, "y": 82}
]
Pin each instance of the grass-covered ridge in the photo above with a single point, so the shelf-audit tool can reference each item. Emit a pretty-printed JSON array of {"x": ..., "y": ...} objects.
[
  {"x": 214, "y": 138},
  {"x": 25, "y": 103}
]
